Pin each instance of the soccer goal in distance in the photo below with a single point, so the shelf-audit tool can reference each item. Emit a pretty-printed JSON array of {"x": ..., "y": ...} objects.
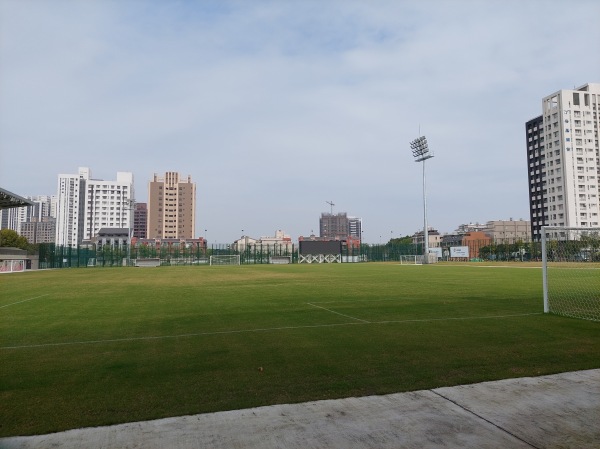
[
  {"x": 233, "y": 259},
  {"x": 411, "y": 260},
  {"x": 571, "y": 271}
]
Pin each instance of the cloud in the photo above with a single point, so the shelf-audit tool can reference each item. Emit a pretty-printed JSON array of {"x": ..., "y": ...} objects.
[{"x": 276, "y": 107}]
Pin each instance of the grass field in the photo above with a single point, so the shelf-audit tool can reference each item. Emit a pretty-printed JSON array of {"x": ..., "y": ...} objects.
[{"x": 88, "y": 347}]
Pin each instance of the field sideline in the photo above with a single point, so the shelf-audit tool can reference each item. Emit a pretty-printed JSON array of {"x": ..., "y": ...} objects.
[{"x": 88, "y": 347}]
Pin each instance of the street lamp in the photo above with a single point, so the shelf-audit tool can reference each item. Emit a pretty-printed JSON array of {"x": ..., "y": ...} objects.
[
  {"x": 421, "y": 153},
  {"x": 128, "y": 203}
]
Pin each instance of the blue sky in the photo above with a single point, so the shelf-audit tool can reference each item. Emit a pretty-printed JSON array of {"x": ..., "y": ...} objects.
[{"x": 275, "y": 107}]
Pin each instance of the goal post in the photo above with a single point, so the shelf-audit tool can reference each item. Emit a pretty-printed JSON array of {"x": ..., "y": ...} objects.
[
  {"x": 232, "y": 259},
  {"x": 411, "y": 260},
  {"x": 571, "y": 271}
]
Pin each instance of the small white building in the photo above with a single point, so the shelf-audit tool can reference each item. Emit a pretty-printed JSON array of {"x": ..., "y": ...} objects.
[
  {"x": 434, "y": 238},
  {"x": 281, "y": 243}
]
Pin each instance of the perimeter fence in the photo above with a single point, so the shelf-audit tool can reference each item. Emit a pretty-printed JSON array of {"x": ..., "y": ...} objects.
[{"x": 56, "y": 256}]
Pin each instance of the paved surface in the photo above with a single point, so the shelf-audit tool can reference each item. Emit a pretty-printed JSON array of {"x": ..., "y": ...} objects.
[{"x": 558, "y": 411}]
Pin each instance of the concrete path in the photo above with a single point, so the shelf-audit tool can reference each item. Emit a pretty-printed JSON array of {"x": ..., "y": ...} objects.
[{"x": 558, "y": 411}]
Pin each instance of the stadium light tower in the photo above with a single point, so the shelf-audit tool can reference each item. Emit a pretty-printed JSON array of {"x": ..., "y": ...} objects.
[{"x": 421, "y": 153}]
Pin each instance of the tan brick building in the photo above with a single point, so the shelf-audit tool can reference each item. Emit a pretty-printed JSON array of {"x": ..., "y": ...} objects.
[{"x": 171, "y": 207}]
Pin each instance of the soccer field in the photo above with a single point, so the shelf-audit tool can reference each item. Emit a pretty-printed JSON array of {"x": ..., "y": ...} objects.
[{"x": 92, "y": 346}]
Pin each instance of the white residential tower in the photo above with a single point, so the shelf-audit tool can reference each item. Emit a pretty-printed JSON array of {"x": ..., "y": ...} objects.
[
  {"x": 86, "y": 205},
  {"x": 563, "y": 156}
]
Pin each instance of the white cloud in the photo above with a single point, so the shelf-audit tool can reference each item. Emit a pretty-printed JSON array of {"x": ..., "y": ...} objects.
[{"x": 276, "y": 107}]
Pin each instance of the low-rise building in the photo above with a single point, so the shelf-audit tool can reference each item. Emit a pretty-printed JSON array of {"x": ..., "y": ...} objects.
[
  {"x": 434, "y": 238},
  {"x": 280, "y": 243},
  {"x": 508, "y": 231}
]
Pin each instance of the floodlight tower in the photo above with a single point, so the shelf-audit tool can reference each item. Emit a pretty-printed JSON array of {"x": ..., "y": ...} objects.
[{"x": 421, "y": 153}]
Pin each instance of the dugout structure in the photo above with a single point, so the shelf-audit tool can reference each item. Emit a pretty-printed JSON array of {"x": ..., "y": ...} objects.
[
  {"x": 11, "y": 260},
  {"x": 320, "y": 251}
]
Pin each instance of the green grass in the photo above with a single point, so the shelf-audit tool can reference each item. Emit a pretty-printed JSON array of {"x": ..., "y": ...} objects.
[{"x": 89, "y": 347}]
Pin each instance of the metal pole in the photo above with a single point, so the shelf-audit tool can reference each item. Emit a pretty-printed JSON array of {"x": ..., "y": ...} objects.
[
  {"x": 425, "y": 230},
  {"x": 421, "y": 153},
  {"x": 545, "y": 270}
]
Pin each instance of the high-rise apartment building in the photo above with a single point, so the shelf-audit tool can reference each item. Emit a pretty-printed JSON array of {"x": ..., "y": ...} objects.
[
  {"x": 171, "y": 207},
  {"x": 43, "y": 206},
  {"x": 538, "y": 206},
  {"x": 355, "y": 227},
  {"x": 9, "y": 218},
  {"x": 564, "y": 160},
  {"x": 140, "y": 220},
  {"x": 86, "y": 205},
  {"x": 37, "y": 223},
  {"x": 340, "y": 226},
  {"x": 334, "y": 225},
  {"x": 39, "y": 231},
  {"x": 70, "y": 194}
]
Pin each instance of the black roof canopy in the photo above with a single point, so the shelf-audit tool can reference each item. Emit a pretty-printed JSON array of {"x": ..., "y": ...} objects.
[{"x": 9, "y": 200}]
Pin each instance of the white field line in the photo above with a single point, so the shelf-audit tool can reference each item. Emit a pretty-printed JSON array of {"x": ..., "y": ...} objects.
[
  {"x": 457, "y": 318},
  {"x": 164, "y": 337},
  {"x": 269, "y": 329},
  {"x": 337, "y": 313},
  {"x": 492, "y": 266},
  {"x": 25, "y": 300},
  {"x": 346, "y": 301}
]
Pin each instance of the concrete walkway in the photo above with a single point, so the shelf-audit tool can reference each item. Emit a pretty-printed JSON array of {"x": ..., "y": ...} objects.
[{"x": 558, "y": 411}]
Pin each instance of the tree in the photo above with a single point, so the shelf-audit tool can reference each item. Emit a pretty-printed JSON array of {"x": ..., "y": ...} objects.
[
  {"x": 9, "y": 238},
  {"x": 406, "y": 240}
]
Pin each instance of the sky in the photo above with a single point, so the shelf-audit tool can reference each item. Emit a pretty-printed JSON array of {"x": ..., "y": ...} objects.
[{"x": 276, "y": 108}]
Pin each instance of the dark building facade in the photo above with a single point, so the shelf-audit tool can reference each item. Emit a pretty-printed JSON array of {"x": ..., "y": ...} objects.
[
  {"x": 538, "y": 208},
  {"x": 140, "y": 220},
  {"x": 340, "y": 226}
]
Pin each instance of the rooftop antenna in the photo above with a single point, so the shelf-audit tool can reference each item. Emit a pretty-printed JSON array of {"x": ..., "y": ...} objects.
[{"x": 331, "y": 204}]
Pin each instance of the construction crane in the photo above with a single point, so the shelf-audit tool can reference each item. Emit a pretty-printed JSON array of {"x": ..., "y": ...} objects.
[{"x": 331, "y": 204}]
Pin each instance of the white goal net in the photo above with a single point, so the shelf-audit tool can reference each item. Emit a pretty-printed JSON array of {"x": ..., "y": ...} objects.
[
  {"x": 225, "y": 260},
  {"x": 571, "y": 271},
  {"x": 280, "y": 260},
  {"x": 411, "y": 260}
]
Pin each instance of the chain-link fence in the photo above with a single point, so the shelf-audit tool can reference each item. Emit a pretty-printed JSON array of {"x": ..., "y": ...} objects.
[{"x": 55, "y": 256}]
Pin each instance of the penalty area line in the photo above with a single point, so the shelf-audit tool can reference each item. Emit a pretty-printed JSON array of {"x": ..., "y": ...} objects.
[
  {"x": 25, "y": 300},
  {"x": 165, "y": 337},
  {"x": 337, "y": 313},
  {"x": 268, "y": 329}
]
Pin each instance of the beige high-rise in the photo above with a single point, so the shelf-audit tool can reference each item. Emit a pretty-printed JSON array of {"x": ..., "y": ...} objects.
[{"x": 171, "y": 207}]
